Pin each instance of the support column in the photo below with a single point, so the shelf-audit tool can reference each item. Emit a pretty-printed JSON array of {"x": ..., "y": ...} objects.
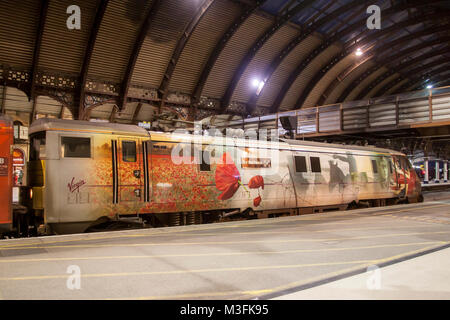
[
  {"x": 425, "y": 163},
  {"x": 445, "y": 171},
  {"x": 436, "y": 174}
]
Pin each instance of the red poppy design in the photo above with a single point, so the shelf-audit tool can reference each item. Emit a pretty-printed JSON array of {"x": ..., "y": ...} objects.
[
  {"x": 227, "y": 177},
  {"x": 256, "y": 182},
  {"x": 257, "y": 201}
]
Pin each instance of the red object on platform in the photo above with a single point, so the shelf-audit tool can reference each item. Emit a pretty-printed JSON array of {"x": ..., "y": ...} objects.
[{"x": 6, "y": 140}]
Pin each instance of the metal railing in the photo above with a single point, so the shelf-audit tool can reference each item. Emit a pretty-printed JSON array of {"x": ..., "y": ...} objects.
[{"x": 383, "y": 113}]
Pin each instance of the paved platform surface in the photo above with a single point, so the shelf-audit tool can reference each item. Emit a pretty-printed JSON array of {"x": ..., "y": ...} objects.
[
  {"x": 261, "y": 259},
  {"x": 424, "y": 277}
]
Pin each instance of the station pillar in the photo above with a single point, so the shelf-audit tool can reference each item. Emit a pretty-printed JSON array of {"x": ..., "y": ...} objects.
[
  {"x": 436, "y": 175},
  {"x": 425, "y": 178},
  {"x": 445, "y": 171}
]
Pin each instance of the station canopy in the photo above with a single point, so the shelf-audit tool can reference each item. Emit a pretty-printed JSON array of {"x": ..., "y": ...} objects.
[{"x": 131, "y": 61}]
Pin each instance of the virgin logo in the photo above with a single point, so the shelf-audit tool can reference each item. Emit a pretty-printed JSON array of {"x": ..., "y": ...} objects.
[{"x": 75, "y": 186}]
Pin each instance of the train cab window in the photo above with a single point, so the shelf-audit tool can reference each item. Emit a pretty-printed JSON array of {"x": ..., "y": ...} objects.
[
  {"x": 408, "y": 164},
  {"x": 315, "y": 164},
  {"x": 374, "y": 166},
  {"x": 205, "y": 165},
  {"x": 37, "y": 146},
  {"x": 75, "y": 147},
  {"x": 300, "y": 164},
  {"x": 129, "y": 151},
  {"x": 402, "y": 163},
  {"x": 391, "y": 169}
]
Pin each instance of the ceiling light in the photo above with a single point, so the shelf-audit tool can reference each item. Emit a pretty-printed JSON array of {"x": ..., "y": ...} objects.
[
  {"x": 358, "y": 52},
  {"x": 255, "y": 83},
  {"x": 429, "y": 86}
]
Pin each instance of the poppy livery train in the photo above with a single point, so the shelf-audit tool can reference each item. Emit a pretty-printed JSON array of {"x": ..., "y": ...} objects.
[{"x": 82, "y": 175}]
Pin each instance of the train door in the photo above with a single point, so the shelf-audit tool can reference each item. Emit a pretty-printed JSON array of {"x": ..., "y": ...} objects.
[
  {"x": 129, "y": 169},
  {"x": 6, "y": 140}
]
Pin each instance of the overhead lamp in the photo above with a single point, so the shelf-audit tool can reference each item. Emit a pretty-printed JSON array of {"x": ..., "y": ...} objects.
[
  {"x": 258, "y": 84},
  {"x": 255, "y": 83},
  {"x": 358, "y": 52},
  {"x": 429, "y": 86}
]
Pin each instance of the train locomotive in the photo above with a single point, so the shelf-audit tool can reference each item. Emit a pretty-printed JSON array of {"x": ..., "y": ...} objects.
[{"x": 84, "y": 174}]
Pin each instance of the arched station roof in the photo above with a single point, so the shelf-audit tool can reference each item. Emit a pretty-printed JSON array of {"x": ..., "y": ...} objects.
[{"x": 132, "y": 59}]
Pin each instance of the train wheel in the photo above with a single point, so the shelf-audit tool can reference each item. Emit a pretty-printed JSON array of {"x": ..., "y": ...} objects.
[
  {"x": 174, "y": 219},
  {"x": 198, "y": 218},
  {"x": 190, "y": 218}
]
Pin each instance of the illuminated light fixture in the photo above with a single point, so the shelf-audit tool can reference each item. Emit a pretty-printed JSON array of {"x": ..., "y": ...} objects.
[
  {"x": 258, "y": 84},
  {"x": 255, "y": 83},
  {"x": 429, "y": 86},
  {"x": 358, "y": 52}
]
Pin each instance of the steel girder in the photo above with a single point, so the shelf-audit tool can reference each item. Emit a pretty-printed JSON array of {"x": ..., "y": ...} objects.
[
  {"x": 422, "y": 75},
  {"x": 79, "y": 110},
  {"x": 327, "y": 42},
  {"x": 410, "y": 74},
  {"x": 135, "y": 52},
  {"x": 37, "y": 48},
  {"x": 308, "y": 31},
  {"x": 220, "y": 45},
  {"x": 398, "y": 69},
  {"x": 350, "y": 49},
  {"x": 361, "y": 78},
  {"x": 164, "y": 86},
  {"x": 380, "y": 62},
  {"x": 280, "y": 21}
]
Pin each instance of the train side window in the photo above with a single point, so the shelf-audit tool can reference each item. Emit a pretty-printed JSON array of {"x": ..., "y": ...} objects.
[
  {"x": 315, "y": 164},
  {"x": 205, "y": 165},
  {"x": 129, "y": 151},
  {"x": 374, "y": 166},
  {"x": 74, "y": 147},
  {"x": 300, "y": 164}
]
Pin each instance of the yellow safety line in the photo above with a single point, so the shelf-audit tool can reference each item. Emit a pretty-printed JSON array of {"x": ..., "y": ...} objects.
[
  {"x": 220, "y": 242},
  {"x": 58, "y": 259},
  {"x": 151, "y": 273}
]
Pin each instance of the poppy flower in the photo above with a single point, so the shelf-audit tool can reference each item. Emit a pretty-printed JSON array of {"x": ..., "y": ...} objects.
[
  {"x": 257, "y": 201},
  {"x": 256, "y": 182},
  {"x": 227, "y": 177}
]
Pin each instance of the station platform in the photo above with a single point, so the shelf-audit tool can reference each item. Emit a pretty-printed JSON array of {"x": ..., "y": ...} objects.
[
  {"x": 423, "y": 277},
  {"x": 253, "y": 259}
]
